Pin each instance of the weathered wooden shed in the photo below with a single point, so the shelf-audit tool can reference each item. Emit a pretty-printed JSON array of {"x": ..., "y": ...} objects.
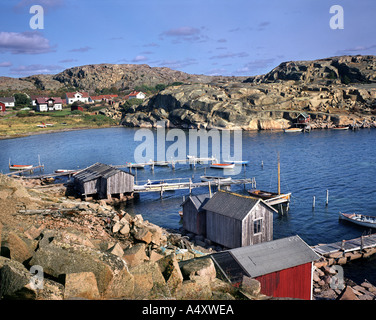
[
  {"x": 194, "y": 217},
  {"x": 283, "y": 267},
  {"x": 235, "y": 220},
  {"x": 303, "y": 118},
  {"x": 104, "y": 181}
]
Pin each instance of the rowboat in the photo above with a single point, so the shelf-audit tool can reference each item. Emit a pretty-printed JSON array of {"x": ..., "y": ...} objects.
[
  {"x": 272, "y": 198},
  {"x": 214, "y": 178},
  {"x": 359, "y": 219},
  {"x": 20, "y": 167},
  {"x": 222, "y": 165},
  {"x": 65, "y": 171},
  {"x": 236, "y": 161},
  {"x": 341, "y": 128},
  {"x": 293, "y": 130},
  {"x": 161, "y": 163}
]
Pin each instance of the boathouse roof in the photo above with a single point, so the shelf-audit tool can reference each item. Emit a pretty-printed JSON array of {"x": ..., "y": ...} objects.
[
  {"x": 96, "y": 171},
  {"x": 265, "y": 258},
  {"x": 198, "y": 200},
  {"x": 232, "y": 205}
]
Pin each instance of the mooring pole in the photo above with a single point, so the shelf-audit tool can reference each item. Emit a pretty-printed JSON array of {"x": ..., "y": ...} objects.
[
  {"x": 327, "y": 197},
  {"x": 314, "y": 202}
]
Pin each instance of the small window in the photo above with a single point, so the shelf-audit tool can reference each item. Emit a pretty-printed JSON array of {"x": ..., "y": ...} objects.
[{"x": 257, "y": 226}]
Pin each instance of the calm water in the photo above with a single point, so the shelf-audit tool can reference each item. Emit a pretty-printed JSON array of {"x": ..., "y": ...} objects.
[{"x": 342, "y": 162}]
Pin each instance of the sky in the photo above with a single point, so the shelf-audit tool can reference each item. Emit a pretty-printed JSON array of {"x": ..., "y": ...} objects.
[{"x": 211, "y": 37}]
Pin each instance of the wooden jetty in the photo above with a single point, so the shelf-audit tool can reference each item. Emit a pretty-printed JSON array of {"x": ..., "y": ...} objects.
[
  {"x": 192, "y": 161},
  {"x": 343, "y": 251},
  {"x": 186, "y": 183}
]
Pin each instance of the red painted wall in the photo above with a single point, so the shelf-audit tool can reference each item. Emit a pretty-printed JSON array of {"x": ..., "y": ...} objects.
[
  {"x": 2, "y": 107},
  {"x": 294, "y": 282}
]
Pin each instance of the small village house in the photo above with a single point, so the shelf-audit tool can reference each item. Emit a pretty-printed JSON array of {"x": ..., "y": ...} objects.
[
  {"x": 103, "y": 97},
  {"x": 194, "y": 217},
  {"x": 303, "y": 118},
  {"x": 103, "y": 181},
  {"x": 9, "y": 102},
  {"x": 284, "y": 267},
  {"x": 2, "y": 107},
  {"x": 49, "y": 104},
  {"x": 136, "y": 95},
  {"x": 77, "y": 96},
  {"x": 234, "y": 220}
]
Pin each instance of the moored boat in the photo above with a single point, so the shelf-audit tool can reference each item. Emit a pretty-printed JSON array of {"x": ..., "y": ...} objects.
[
  {"x": 65, "y": 171},
  {"x": 359, "y": 219},
  {"x": 223, "y": 165},
  {"x": 20, "y": 167},
  {"x": 135, "y": 165},
  {"x": 214, "y": 178},
  {"x": 293, "y": 130},
  {"x": 236, "y": 161},
  {"x": 341, "y": 128}
]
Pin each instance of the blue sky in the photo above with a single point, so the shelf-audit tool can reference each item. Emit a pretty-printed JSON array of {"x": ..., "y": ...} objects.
[{"x": 212, "y": 37}]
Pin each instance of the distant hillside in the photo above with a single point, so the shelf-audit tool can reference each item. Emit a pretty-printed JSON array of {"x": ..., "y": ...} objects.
[{"x": 99, "y": 76}]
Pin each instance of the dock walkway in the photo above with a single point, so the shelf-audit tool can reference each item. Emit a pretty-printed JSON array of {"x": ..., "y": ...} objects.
[{"x": 363, "y": 242}]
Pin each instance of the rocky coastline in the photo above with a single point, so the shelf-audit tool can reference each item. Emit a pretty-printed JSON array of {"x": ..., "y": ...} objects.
[{"x": 89, "y": 250}]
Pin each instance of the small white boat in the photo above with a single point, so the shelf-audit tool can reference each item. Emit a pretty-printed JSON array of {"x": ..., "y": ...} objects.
[
  {"x": 293, "y": 130},
  {"x": 214, "y": 178},
  {"x": 41, "y": 126},
  {"x": 20, "y": 167},
  {"x": 359, "y": 219},
  {"x": 340, "y": 128},
  {"x": 236, "y": 161},
  {"x": 222, "y": 165}
]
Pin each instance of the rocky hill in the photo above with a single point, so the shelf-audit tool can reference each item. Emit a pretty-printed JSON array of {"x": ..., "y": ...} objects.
[
  {"x": 334, "y": 91},
  {"x": 99, "y": 76}
]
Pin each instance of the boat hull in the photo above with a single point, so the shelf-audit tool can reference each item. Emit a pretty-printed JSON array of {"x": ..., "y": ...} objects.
[
  {"x": 293, "y": 130},
  {"x": 236, "y": 162},
  {"x": 272, "y": 198},
  {"x": 213, "y": 178},
  {"x": 223, "y": 165},
  {"x": 20, "y": 167},
  {"x": 360, "y": 220}
]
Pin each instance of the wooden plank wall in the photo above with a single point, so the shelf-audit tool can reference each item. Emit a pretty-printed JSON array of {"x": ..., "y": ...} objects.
[{"x": 194, "y": 221}]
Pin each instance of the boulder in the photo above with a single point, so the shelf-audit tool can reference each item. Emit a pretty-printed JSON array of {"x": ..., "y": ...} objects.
[
  {"x": 125, "y": 229},
  {"x": 347, "y": 294},
  {"x": 33, "y": 232},
  {"x": 149, "y": 282},
  {"x": 203, "y": 267},
  {"x": 135, "y": 255},
  {"x": 251, "y": 286},
  {"x": 18, "y": 247},
  {"x": 58, "y": 258},
  {"x": 195, "y": 289},
  {"x": 143, "y": 235},
  {"x": 81, "y": 285},
  {"x": 116, "y": 250},
  {"x": 116, "y": 227},
  {"x": 121, "y": 285},
  {"x": 171, "y": 272}
]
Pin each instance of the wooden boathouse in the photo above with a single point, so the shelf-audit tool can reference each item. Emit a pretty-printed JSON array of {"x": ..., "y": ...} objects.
[
  {"x": 103, "y": 181},
  {"x": 234, "y": 220},
  {"x": 283, "y": 267},
  {"x": 194, "y": 216}
]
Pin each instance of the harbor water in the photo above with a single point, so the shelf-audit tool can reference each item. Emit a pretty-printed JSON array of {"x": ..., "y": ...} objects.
[{"x": 341, "y": 163}]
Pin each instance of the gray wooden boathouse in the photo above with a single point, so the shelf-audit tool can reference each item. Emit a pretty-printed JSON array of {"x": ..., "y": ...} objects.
[
  {"x": 103, "y": 181},
  {"x": 235, "y": 220},
  {"x": 194, "y": 217}
]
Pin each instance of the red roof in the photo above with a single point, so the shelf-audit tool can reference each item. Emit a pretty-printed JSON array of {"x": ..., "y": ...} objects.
[
  {"x": 134, "y": 93},
  {"x": 104, "y": 96},
  {"x": 71, "y": 94}
]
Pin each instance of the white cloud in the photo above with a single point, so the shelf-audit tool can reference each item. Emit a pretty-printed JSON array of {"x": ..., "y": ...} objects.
[
  {"x": 24, "y": 43},
  {"x": 33, "y": 69},
  {"x": 5, "y": 64}
]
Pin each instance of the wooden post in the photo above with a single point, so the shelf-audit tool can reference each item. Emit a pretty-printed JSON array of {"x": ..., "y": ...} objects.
[
  {"x": 314, "y": 202},
  {"x": 190, "y": 187},
  {"x": 361, "y": 242},
  {"x": 327, "y": 197},
  {"x": 210, "y": 193},
  {"x": 262, "y": 164},
  {"x": 279, "y": 176}
]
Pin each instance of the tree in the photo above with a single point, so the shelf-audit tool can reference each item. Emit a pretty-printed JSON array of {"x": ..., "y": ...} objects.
[{"x": 22, "y": 100}]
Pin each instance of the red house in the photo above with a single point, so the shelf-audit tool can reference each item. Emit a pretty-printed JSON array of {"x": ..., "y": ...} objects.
[
  {"x": 2, "y": 107},
  {"x": 283, "y": 266},
  {"x": 303, "y": 118}
]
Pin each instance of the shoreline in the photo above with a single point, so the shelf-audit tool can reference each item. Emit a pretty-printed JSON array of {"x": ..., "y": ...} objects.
[{"x": 33, "y": 133}]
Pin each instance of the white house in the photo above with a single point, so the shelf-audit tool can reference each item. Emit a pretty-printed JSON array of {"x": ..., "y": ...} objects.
[
  {"x": 136, "y": 95},
  {"x": 49, "y": 104},
  {"x": 77, "y": 96},
  {"x": 8, "y": 101}
]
